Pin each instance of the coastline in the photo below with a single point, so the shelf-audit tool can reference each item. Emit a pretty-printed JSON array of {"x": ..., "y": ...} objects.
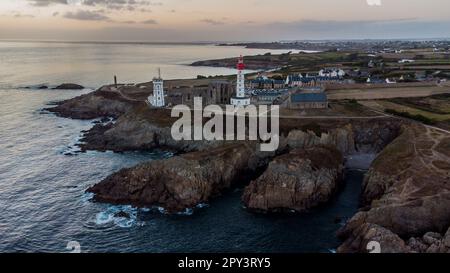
[{"x": 126, "y": 118}]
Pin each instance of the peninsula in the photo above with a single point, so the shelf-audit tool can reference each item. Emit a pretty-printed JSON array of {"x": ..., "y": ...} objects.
[{"x": 333, "y": 105}]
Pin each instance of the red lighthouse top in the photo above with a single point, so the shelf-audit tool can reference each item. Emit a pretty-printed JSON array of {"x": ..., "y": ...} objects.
[{"x": 241, "y": 65}]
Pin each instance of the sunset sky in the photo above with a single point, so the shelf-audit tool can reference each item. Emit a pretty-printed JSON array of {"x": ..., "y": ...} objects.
[{"x": 224, "y": 20}]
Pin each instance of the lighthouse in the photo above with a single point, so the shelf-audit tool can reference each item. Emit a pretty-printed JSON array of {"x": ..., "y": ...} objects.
[
  {"x": 157, "y": 100},
  {"x": 240, "y": 99}
]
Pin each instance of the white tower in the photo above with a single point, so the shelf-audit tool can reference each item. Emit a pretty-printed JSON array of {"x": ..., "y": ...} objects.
[
  {"x": 157, "y": 100},
  {"x": 240, "y": 99}
]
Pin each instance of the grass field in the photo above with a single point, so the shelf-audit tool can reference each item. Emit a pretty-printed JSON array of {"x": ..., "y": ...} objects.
[
  {"x": 382, "y": 105},
  {"x": 438, "y": 104},
  {"x": 344, "y": 108},
  {"x": 387, "y": 92}
]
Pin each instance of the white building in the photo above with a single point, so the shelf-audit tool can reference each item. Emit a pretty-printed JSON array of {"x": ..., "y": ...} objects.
[
  {"x": 389, "y": 81},
  {"x": 157, "y": 99},
  {"x": 240, "y": 99},
  {"x": 332, "y": 73},
  {"x": 405, "y": 61}
]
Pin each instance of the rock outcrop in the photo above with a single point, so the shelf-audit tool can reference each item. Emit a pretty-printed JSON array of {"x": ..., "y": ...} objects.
[
  {"x": 349, "y": 138},
  {"x": 373, "y": 238},
  {"x": 182, "y": 181},
  {"x": 141, "y": 128},
  {"x": 341, "y": 138},
  {"x": 94, "y": 105},
  {"x": 69, "y": 86},
  {"x": 299, "y": 180},
  {"x": 407, "y": 189}
]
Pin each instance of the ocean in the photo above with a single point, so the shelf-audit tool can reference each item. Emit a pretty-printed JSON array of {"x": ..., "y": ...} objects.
[{"x": 43, "y": 179}]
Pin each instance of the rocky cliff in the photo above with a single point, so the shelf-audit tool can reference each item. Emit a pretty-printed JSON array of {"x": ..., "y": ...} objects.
[
  {"x": 299, "y": 180},
  {"x": 141, "y": 128},
  {"x": 94, "y": 105},
  {"x": 406, "y": 191},
  {"x": 182, "y": 181},
  {"x": 351, "y": 137},
  {"x": 374, "y": 238}
]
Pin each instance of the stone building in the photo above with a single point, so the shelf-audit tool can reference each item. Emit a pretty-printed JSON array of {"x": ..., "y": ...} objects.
[
  {"x": 216, "y": 92},
  {"x": 308, "y": 101}
]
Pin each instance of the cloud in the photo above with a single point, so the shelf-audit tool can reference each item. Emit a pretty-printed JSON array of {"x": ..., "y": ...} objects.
[
  {"x": 212, "y": 22},
  {"x": 45, "y": 3},
  {"x": 373, "y": 2},
  {"x": 20, "y": 15},
  {"x": 149, "y": 22},
  {"x": 129, "y": 5},
  {"x": 86, "y": 15},
  {"x": 128, "y": 22}
]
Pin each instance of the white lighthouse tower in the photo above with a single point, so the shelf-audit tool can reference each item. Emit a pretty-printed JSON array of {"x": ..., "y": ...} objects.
[
  {"x": 157, "y": 100},
  {"x": 240, "y": 99}
]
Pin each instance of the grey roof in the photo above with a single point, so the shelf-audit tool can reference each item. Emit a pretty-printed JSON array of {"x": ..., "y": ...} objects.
[
  {"x": 310, "y": 79},
  {"x": 309, "y": 97}
]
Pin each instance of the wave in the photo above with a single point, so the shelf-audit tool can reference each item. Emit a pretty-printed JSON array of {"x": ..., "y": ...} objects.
[{"x": 121, "y": 216}]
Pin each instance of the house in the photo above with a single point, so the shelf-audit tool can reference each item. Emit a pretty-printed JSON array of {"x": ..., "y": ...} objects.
[
  {"x": 332, "y": 72},
  {"x": 270, "y": 97},
  {"x": 375, "y": 80},
  {"x": 308, "y": 101},
  {"x": 300, "y": 80},
  {"x": 310, "y": 81},
  {"x": 265, "y": 83},
  {"x": 405, "y": 61},
  {"x": 389, "y": 81}
]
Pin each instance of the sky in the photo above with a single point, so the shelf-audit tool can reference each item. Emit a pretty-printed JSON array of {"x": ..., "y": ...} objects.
[{"x": 222, "y": 20}]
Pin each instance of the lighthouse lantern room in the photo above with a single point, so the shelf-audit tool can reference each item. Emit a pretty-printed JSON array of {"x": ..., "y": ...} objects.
[{"x": 240, "y": 99}]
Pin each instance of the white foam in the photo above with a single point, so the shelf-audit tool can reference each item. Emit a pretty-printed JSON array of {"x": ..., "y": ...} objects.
[
  {"x": 103, "y": 218},
  {"x": 161, "y": 210},
  {"x": 202, "y": 205},
  {"x": 186, "y": 212},
  {"x": 87, "y": 196},
  {"x": 109, "y": 216}
]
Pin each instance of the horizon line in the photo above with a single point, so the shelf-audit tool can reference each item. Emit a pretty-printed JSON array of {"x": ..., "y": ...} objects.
[{"x": 218, "y": 42}]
